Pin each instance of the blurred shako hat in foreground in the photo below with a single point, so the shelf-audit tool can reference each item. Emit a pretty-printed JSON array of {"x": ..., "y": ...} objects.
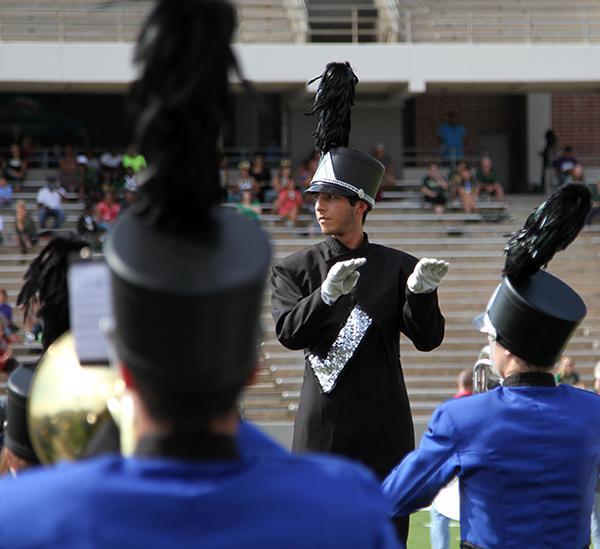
[
  {"x": 187, "y": 274},
  {"x": 532, "y": 313},
  {"x": 341, "y": 170}
]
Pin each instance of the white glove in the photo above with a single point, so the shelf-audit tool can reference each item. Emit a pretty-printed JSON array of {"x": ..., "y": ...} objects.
[
  {"x": 427, "y": 275},
  {"x": 341, "y": 278}
]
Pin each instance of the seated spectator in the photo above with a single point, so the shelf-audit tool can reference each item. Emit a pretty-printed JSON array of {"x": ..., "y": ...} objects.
[
  {"x": 262, "y": 176},
  {"x": 5, "y": 192},
  {"x": 434, "y": 188},
  {"x": 249, "y": 206},
  {"x": 111, "y": 161},
  {"x": 243, "y": 182},
  {"x": 107, "y": 210},
  {"x": 595, "y": 211},
  {"x": 6, "y": 313},
  {"x": 88, "y": 228},
  {"x": 281, "y": 180},
  {"x": 576, "y": 175},
  {"x": 288, "y": 204},
  {"x": 49, "y": 199},
  {"x": 487, "y": 181},
  {"x": 130, "y": 194},
  {"x": 91, "y": 178},
  {"x": 7, "y": 362},
  {"x": 466, "y": 190},
  {"x": 24, "y": 227},
  {"x": 564, "y": 164},
  {"x": 566, "y": 373},
  {"x": 15, "y": 169},
  {"x": 70, "y": 174},
  {"x": 134, "y": 160}
]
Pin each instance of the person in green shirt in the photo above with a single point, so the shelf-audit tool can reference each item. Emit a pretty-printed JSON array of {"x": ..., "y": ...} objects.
[
  {"x": 134, "y": 160},
  {"x": 487, "y": 181},
  {"x": 566, "y": 373},
  {"x": 434, "y": 188}
]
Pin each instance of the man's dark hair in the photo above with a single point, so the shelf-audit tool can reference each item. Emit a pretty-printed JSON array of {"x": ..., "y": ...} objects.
[{"x": 353, "y": 202}]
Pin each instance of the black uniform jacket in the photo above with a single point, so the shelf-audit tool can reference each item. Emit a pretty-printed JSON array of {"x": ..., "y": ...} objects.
[{"x": 366, "y": 416}]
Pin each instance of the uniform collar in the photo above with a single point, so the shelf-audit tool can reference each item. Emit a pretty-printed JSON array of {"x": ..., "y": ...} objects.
[
  {"x": 533, "y": 379},
  {"x": 202, "y": 446},
  {"x": 337, "y": 248}
]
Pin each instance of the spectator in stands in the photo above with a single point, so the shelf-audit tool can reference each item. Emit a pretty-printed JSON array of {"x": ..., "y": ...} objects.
[
  {"x": 249, "y": 206},
  {"x": 91, "y": 177},
  {"x": 389, "y": 176},
  {"x": 5, "y": 192},
  {"x": 130, "y": 194},
  {"x": 576, "y": 175},
  {"x": 15, "y": 169},
  {"x": 49, "y": 200},
  {"x": 134, "y": 160},
  {"x": 110, "y": 162},
  {"x": 288, "y": 204},
  {"x": 283, "y": 177},
  {"x": 434, "y": 189},
  {"x": 88, "y": 228},
  {"x": 262, "y": 176},
  {"x": 466, "y": 190},
  {"x": 244, "y": 182},
  {"x": 566, "y": 373},
  {"x": 595, "y": 211},
  {"x": 24, "y": 227},
  {"x": 69, "y": 172},
  {"x": 6, "y": 312},
  {"x": 451, "y": 136},
  {"x": 107, "y": 210},
  {"x": 487, "y": 181},
  {"x": 439, "y": 531},
  {"x": 455, "y": 179},
  {"x": 564, "y": 164},
  {"x": 7, "y": 362}
]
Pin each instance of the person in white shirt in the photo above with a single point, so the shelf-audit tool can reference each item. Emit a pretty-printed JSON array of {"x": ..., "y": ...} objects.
[{"x": 49, "y": 199}]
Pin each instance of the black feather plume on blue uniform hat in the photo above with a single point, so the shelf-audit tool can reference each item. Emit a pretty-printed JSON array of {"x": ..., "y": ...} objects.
[
  {"x": 342, "y": 170},
  {"x": 533, "y": 313}
]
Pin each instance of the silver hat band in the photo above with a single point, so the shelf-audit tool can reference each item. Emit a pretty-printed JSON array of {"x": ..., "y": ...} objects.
[{"x": 359, "y": 192}]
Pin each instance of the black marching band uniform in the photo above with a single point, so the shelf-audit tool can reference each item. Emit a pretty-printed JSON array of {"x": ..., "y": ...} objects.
[{"x": 353, "y": 400}]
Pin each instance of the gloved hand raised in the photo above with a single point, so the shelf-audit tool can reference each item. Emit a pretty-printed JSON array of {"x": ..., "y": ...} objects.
[
  {"x": 341, "y": 278},
  {"x": 427, "y": 275}
]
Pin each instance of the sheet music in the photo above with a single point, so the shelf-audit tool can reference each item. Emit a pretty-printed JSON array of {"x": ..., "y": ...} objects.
[{"x": 90, "y": 306}]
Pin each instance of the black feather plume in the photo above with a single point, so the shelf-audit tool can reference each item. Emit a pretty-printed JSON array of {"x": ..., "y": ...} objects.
[
  {"x": 549, "y": 229},
  {"x": 333, "y": 103},
  {"x": 46, "y": 286},
  {"x": 181, "y": 103}
]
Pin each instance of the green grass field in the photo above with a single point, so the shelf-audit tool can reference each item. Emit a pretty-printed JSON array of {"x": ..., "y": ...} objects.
[{"x": 418, "y": 537}]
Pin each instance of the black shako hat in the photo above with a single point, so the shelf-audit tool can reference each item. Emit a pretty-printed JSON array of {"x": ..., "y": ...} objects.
[
  {"x": 16, "y": 435},
  {"x": 533, "y": 317},
  {"x": 341, "y": 170},
  {"x": 348, "y": 172},
  {"x": 186, "y": 310},
  {"x": 532, "y": 313}
]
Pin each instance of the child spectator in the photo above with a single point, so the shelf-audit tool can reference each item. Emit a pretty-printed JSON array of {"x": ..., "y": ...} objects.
[
  {"x": 5, "y": 192},
  {"x": 487, "y": 181},
  {"x": 6, "y": 313},
  {"x": 466, "y": 190},
  {"x": 288, "y": 204},
  {"x": 566, "y": 373},
  {"x": 24, "y": 227},
  {"x": 249, "y": 206},
  {"x": 434, "y": 189},
  {"x": 107, "y": 210}
]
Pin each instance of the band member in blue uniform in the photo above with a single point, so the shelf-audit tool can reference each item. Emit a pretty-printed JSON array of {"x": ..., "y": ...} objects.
[
  {"x": 187, "y": 283},
  {"x": 345, "y": 302},
  {"x": 527, "y": 454}
]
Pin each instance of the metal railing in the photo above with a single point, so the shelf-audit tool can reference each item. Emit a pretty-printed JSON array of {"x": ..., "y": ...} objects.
[{"x": 296, "y": 21}]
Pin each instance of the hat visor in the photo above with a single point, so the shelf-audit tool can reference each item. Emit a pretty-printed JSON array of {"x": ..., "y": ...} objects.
[
  {"x": 330, "y": 188},
  {"x": 483, "y": 324}
]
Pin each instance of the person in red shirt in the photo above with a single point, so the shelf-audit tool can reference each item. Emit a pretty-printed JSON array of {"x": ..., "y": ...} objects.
[
  {"x": 107, "y": 210},
  {"x": 464, "y": 384},
  {"x": 288, "y": 203}
]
